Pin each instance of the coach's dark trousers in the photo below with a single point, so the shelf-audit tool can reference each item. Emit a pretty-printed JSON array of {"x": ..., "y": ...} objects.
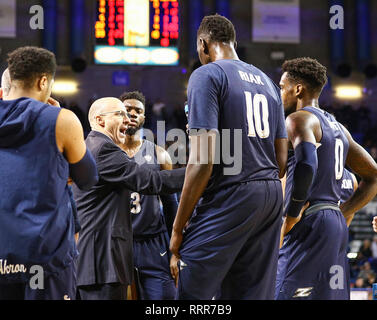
[{"x": 107, "y": 291}]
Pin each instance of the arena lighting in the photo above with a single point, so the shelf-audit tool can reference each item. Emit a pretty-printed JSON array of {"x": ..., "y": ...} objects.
[
  {"x": 64, "y": 87},
  {"x": 352, "y": 255},
  {"x": 349, "y": 92}
]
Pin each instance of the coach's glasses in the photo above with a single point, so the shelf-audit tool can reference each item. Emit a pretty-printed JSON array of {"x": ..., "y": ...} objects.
[{"x": 118, "y": 113}]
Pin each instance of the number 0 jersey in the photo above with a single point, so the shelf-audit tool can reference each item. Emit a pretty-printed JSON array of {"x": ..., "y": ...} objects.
[
  {"x": 332, "y": 153},
  {"x": 244, "y": 106}
]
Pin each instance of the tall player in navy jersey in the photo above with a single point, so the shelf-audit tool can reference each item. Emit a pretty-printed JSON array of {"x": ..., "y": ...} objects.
[
  {"x": 150, "y": 225},
  {"x": 230, "y": 245},
  {"x": 312, "y": 258}
]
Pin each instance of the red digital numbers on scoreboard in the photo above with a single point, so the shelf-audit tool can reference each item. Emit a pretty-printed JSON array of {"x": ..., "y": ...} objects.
[
  {"x": 110, "y": 22},
  {"x": 115, "y": 27},
  {"x": 165, "y": 26}
]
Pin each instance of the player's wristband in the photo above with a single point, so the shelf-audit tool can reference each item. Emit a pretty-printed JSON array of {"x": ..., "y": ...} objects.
[{"x": 294, "y": 208}]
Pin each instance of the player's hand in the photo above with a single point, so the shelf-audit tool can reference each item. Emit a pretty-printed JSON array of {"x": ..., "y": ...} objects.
[
  {"x": 175, "y": 242},
  {"x": 51, "y": 101},
  {"x": 290, "y": 222},
  {"x": 174, "y": 268},
  {"x": 70, "y": 181},
  {"x": 375, "y": 224},
  {"x": 282, "y": 231}
]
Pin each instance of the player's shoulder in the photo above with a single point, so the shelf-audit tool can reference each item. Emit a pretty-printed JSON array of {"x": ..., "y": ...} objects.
[
  {"x": 301, "y": 119},
  {"x": 66, "y": 121},
  {"x": 208, "y": 70}
]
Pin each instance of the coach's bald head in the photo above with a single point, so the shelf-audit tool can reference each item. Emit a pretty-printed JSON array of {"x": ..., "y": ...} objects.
[
  {"x": 109, "y": 116},
  {"x": 5, "y": 83}
]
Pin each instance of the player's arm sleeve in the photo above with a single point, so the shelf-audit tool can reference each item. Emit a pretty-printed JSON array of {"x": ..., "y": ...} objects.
[
  {"x": 84, "y": 173},
  {"x": 303, "y": 176},
  {"x": 170, "y": 207},
  {"x": 203, "y": 95},
  {"x": 115, "y": 167}
]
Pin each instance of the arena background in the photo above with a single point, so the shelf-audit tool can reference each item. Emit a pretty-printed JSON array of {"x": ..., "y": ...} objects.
[{"x": 350, "y": 55}]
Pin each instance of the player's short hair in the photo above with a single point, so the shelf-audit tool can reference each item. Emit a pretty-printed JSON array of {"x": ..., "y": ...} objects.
[
  {"x": 29, "y": 63},
  {"x": 218, "y": 28},
  {"x": 307, "y": 70},
  {"x": 134, "y": 95}
]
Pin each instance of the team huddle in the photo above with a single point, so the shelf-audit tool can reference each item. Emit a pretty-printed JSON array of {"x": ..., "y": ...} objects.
[{"x": 97, "y": 220}]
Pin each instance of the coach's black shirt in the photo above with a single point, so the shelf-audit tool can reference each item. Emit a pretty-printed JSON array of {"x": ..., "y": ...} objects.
[{"x": 105, "y": 242}]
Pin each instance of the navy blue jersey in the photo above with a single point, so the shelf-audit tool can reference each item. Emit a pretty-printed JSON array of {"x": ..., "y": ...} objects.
[
  {"x": 332, "y": 153},
  {"x": 36, "y": 221},
  {"x": 228, "y": 95},
  {"x": 147, "y": 217},
  {"x": 347, "y": 186}
]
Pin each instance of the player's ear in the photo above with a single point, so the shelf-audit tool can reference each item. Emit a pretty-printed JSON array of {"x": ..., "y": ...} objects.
[
  {"x": 299, "y": 90},
  {"x": 235, "y": 45},
  {"x": 42, "y": 83},
  {"x": 205, "y": 46}
]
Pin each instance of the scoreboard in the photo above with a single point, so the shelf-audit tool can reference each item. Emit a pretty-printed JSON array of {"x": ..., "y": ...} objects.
[{"x": 138, "y": 32}]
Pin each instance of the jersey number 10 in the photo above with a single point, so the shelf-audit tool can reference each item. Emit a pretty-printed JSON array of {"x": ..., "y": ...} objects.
[{"x": 254, "y": 118}]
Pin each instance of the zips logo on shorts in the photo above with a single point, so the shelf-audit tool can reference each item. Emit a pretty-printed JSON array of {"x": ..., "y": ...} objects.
[{"x": 303, "y": 292}]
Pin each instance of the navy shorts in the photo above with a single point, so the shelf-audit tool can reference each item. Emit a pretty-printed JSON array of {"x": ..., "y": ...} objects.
[
  {"x": 152, "y": 261},
  {"x": 57, "y": 286},
  {"x": 230, "y": 248},
  {"x": 312, "y": 261}
]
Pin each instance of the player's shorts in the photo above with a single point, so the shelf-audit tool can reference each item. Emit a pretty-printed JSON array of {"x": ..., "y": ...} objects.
[
  {"x": 312, "y": 261},
  {"x": 152, "y": 261},
  {"x": 57, "y": 286},
  {"x": 230, "y": 248}
]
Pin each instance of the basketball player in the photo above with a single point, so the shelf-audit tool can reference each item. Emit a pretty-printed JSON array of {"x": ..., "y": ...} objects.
[
  {"x": 151, "y": 238},
  {"x": 315, "y": 241},
  {"x": 5, "y": 88},
  {"x": 231, "y": 242},
  {"x": 349, "y": 186},
  {"x": 40, "y": 145}
]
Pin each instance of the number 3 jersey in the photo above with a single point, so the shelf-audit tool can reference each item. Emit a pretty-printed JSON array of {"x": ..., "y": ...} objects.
[
  {"x": 332, "y": 153},
  {"x": 244, "y": 106},
  {"x": 146, "y": 212}
]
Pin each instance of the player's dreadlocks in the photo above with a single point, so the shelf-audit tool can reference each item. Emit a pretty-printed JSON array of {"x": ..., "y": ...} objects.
[{"x": 307, "y": 70}]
